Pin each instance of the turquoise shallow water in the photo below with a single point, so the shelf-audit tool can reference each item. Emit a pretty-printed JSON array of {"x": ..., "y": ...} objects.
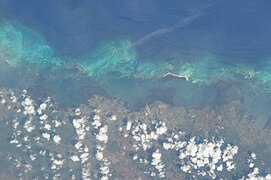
[
  {"x": 208, "y": 62},
  {"x": 115, "y": 69}
]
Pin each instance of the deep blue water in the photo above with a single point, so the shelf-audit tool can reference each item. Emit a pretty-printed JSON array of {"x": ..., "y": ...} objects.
[
  {"x": 231, "y": 30},
  {"x": 226, "y": 28}
]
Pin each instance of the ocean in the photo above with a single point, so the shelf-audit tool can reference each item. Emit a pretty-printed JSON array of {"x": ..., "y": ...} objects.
[
  {"x": 122, "y": 49},
  {"x": 207, "y": 62}
]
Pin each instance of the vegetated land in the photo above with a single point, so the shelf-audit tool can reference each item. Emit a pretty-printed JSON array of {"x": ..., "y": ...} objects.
[{"x": 106, "y": 139}]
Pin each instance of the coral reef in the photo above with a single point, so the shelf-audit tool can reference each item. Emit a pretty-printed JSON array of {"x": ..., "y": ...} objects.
[{"x": 19, "y": 46}]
